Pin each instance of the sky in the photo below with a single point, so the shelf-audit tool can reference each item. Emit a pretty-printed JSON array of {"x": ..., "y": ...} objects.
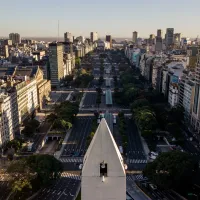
[{"x": 39, "y": 18}]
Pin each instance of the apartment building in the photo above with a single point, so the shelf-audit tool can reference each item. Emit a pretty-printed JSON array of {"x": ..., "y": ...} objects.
[
  {"x": 93, "y": 36},
  {"x": 173, "y": 94},
  {"x": 169, "y": 37},
  {"x": 6, "y": 122},
  {"x": 195, "y": 119},
  {"x": 68, "y": 37},
  {"x": 135, "y": 36},
  {"x": 27, "y": 98},
  {"x": 186, "y": 94},
  {"x": 15, "y": 37}
]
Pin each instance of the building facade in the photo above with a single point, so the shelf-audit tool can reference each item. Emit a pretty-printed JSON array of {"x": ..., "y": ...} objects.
[
  {"x": 56, "y": 64},
  {"x": 135, "y": 36},
  {"x": 93, "y": 36},
  {"x": 68, "y": 37},
  {"x": 169, "y": 37},
  {"x": 15, "y": 37}
]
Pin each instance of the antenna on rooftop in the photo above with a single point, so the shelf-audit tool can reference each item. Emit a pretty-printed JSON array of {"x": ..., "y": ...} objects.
[{"x": 58, "y": 31}]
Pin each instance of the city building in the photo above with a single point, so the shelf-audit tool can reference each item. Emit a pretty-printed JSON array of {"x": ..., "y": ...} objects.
[
  {"x": 109, "y": 39},
  {"x": 4, "y": 51},
  {"x": 177, "y": 39},
  {"x": 15, "y": 37},
  {"x": 27, "y": 98},
  {"x": 6, "y": 122},
  {"x": 186, "y": 94},
  {"x": 159, "y": 33},
  {"x": 173, "y": 94},
  {"x": 169, "y": 37},
  {"x": 159, "y": 44},
  {"x": 93, "y": 36},
  {"x": 135, "y": 36},
  {"x": 195, "y": 119},
  {"x": 68, "y": 37},
  {"x": 103, "y": 170},
  {"x": 56, "y": 64}
]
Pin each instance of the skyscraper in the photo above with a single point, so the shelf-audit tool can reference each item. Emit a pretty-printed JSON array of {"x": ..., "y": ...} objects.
[
  {"x": 56, "y": 63},
  {"x": 109, "y": 39},
  {"x": 135, "y": 36},
  {"x": 68, "y": 37},
  {"x": 159, "y": 33},
  {"x": 103, "y": 171},
  {"x": 159, "y": 43},
  {"x": 169, "y": 36},
  {"x": 15, "y": 37},
  {"x": 93, "y": 36},
  {"x": 177, "y": 39}
]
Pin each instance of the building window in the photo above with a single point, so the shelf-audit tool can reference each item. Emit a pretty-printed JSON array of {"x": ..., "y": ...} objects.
[{"x": 103, "y": 169}]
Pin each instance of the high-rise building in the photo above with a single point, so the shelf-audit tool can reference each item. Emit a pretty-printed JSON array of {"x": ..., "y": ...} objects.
[
  {"x": 93, "y": 36},
  {"x": 56, "y": 63},
  {"x": 159, "y": 44},
  {"x": 109, "y": 39},
  {"x": 169, "y": 36},
  {"x": 103, "y": 170},
  {"x": 68, "y": 37},
  {"x": 195, "y": 120},
  {"x": 177, "y": 39},
  {"x": 15, "y": 37},
  {"x": 135, "y": 36},
  {"x": 159, "y": 33}
]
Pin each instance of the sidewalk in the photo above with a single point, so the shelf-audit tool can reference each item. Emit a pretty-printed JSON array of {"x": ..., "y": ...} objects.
[{"x": 57, "y": 154}]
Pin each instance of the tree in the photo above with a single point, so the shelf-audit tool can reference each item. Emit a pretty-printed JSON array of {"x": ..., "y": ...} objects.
[
  {"x": 21, "y": 175},
  {"x": 30, "y": 127},
  {"x": 174, "y": 130},
  {"x": 139, "y": 103},
  {"x": 172, "y": 170},
  {"x": 46, "y": 166},
  {"x": 78, "y": 62}
]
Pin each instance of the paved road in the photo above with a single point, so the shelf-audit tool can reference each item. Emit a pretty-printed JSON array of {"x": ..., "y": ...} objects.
[
  {"x": 90, "y": 100},
  {"x": 76, "y": 144},
  {"x": 135, "y": 152},
  {"x": 64, "y": 189},
  {"x": 133, "y": 190},
  {"x": 63, "y": 97}
]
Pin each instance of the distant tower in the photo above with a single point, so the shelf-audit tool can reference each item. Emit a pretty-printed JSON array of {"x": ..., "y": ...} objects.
[
  {"x": 169, "y": 36},
  {"x": 135, "y": 36},
  {"x": 159, "y": 33},
  {"x": 56, "y": 63},
  {"x": 68, "y": 37},
  {"x": 15, "y": 37},
  {"x": 109, "y": 39},
  {"x": 93, "y": 36},
  {"x": 103, "y": 172}
]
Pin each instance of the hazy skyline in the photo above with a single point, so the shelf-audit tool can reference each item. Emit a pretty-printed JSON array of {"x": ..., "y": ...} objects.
[{"x": 119, "y": 18}]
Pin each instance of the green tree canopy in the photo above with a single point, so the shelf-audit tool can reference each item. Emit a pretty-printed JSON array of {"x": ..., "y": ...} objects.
[
  {"x": 173, "y": 169},
  {"x": 139, "y": 103}
]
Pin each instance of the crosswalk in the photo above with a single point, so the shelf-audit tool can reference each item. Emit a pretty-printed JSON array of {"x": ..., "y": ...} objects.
[
  {"x": 136, "y": 161},
  {"x": 69, "y": 175},
  {"x": 134, "y": 177},
  {"x": 71, "y": 160}
]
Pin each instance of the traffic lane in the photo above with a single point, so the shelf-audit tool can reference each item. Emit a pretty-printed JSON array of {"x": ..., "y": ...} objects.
[
  {"x": 135, "y": 147},
  {"x": 90, "y": 99},
  {"x": 78, "y": 136},
  {"x": 64, "y": 188},
  {"x": 134, "y": 191},
  {"x": 63, "y": 97}
]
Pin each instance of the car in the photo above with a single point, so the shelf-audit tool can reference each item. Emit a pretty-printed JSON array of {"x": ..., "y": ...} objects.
[{"x": 152, "y": 186}]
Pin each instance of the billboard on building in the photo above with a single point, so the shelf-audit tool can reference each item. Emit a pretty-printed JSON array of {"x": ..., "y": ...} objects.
[{"x": 174, "y": 79}]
